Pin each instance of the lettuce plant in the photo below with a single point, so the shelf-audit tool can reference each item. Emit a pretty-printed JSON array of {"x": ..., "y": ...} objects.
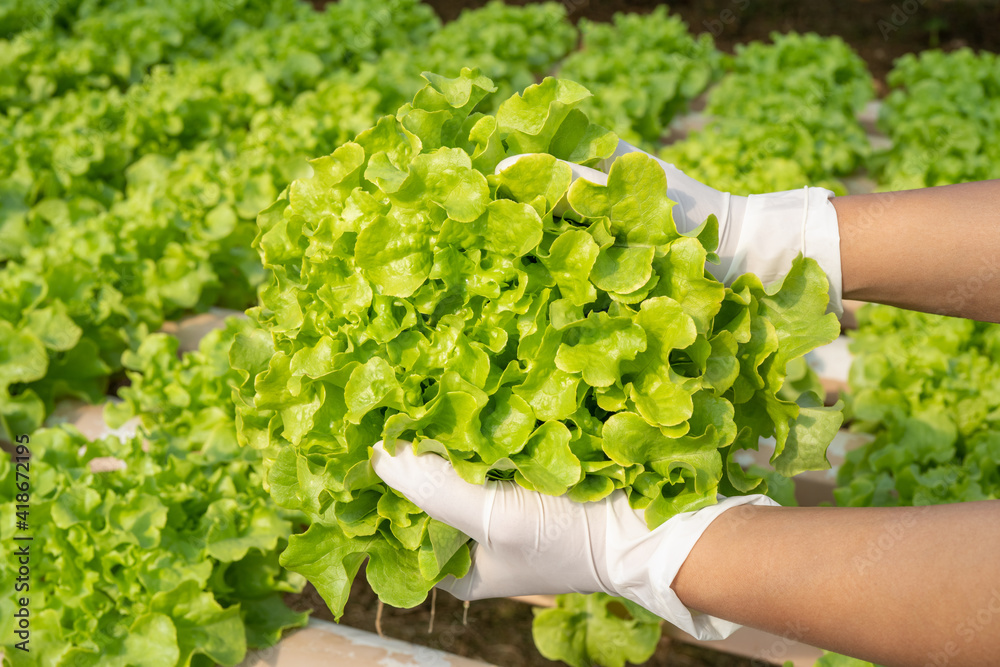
[
  {"x": 169, "y": 556},
  {"x": 782, "y": 119},
  {"x": 926, "y": 387},
  {"x": 643, "y": 70},
  {"x": 122, "y": 210},
  {"x": 942, "y": 116},
  {"x": 585, "y": 630},
  {"x": 836, "y": 660},
  {"x": 50, "y": 48},
  {"x": 513, "y": 45},
  {"x": 565, "y": 337}
]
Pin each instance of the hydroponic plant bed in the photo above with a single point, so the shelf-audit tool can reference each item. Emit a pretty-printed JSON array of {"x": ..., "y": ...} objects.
[{"x": 141, "y": 140}]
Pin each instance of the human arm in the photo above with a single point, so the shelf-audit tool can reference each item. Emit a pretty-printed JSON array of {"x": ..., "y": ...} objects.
[
  {"x": 935, "y": 250},
  {"x": 899, "y": 586},
  {"x": 896, "y": 586}
]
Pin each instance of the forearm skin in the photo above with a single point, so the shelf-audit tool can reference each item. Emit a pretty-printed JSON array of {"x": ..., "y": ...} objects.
[
  {"x": 935, "y": 250},
  {"x": 901, "y": 586}
]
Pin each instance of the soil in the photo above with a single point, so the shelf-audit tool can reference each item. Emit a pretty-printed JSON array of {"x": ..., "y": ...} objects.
[
  {"x": 879, "y": 30},
  {"x": 496, "y": 631}
]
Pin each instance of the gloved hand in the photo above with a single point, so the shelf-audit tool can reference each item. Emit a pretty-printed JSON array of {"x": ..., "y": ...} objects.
[
  {"x": 759, "y": 234},
  {"x": 528, "y": 543}
]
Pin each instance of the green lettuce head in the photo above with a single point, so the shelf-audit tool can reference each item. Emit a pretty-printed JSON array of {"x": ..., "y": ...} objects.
[{"x": 414, "y": 294}]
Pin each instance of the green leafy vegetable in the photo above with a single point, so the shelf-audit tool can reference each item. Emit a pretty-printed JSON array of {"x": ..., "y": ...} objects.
[
  {"x": 414, "y": 294},
  {"x": 834, "y": 660},
  {"x": 585, "y": 630},
  {"x": 170, "y": 556},
  {"x": 783, "y": 119},
  {"x": 926, "y": 387},
  {"x": 942, "y": 118},
  {"x": 643, "y": 70}
]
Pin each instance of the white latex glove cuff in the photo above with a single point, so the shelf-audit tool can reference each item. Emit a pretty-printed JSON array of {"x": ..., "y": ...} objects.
[
  {"x": 529, "y": 543},
  {"x": 644, "y": 569},
  {"x": 779, "y": 226}
]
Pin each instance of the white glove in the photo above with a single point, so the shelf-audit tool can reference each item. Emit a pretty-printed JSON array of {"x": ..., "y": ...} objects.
[
  {"x": 529, "y": 543},
  {"x": 759, "y": 234}
]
